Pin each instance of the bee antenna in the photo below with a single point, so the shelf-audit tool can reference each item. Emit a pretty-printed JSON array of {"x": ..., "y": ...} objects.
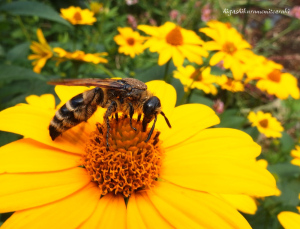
[{"x": 167, "y": 120}]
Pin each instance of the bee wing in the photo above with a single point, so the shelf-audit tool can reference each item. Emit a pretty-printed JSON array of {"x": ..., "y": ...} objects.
[{"x": 103, "y": 83}]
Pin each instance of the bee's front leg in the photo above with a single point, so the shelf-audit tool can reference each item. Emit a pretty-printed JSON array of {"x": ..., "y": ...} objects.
[
  {"x": 131, "y": 112},
  {"x": 112, "y": 108}
]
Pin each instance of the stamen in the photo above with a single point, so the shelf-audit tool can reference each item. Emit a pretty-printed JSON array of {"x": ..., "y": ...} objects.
[
  {"x": 129, "y": 164},
  {"x": 275, "y": 75},
  {"x": 130, "y": 41},
  {"x": 264, "y": 123},
  {"x": 229, "y": 48},
  {"x": 77, "y": 16}
]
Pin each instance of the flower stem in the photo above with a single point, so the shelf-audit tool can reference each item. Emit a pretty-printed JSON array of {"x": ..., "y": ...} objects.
[
  {"x": 166, "y": 78},
  {"x": 24, "y": 30}
]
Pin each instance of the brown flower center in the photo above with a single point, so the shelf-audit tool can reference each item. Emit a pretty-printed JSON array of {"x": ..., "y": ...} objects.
[
  {"x": 129, "y": 164},
  {"x": 197, "y": 76},
  {"x": 229, "y": 82},
  {"x": 130, "y": 41},
  {"x": 229, "y": 48},
  {"x": 275, "y": 75},
  {"x": 174, "y": 37},
  {"x": 77, "y": 16},
  {"x": 264, "y": 123}
]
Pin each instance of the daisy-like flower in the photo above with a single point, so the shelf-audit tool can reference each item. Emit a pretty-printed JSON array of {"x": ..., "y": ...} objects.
[
  {"x": 78, "y": 16},
  {"x": 42, "y": 52},
  {"x": 230, "y": 84},
  {"x": 96, "y": 7},
  {"x": 295, "y": 153},
  {"x": 130, "y": 42},
  {"x": 172, "y": 41},
  {"x": 95, "y": 58},
  {"x": 169, "y": 182},
  {"x": 266, "y": 124},
  {"x": 231, "y": 48},
  {"x": 196, "y": 78}
]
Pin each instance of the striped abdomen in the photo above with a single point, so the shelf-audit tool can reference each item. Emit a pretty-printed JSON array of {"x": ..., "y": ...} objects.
[{"x": 78, "y": 109}]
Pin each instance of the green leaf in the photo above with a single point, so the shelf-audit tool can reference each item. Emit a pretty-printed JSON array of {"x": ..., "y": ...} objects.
[
  {"x": 11, "y": 72},
  {"x": 18, "y": 52},
  {"x": 34, "y": 9},
  {"x": 196, "y": 98},
  {"x": 6, "y": 138},
  {"x": 231, "y": 119},
  {"x": 287, "y": 142},
  {"x": 284, "y": 169}
]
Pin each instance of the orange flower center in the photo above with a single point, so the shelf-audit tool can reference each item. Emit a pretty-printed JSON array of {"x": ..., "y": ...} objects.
[
  {"x": 174, "y": 37},
  {"x": 77, "y": 16},
  {"x": 129, "y": 164},
  {"x": 264, "y": 123},
  {"x": 229, "y": 82},
  {"x": 229, "y": 48},
  {"x": 130, "y": 41},
  {"x": 197, "y": 76},
  {"x": 275, "y": 75}
]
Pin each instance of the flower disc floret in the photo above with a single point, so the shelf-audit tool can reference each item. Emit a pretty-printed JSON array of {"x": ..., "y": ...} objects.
[{"x": 129, "y": 163}]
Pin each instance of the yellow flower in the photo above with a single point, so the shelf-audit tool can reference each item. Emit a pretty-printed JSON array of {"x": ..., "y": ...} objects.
[
  {"x": 131, "y": 42},
  {"x": 172, "y": 180},
  {"x": 42, "y": 52},
  {"x": 96, "y": 7},
  {"x": 196, "y": 78},
  {"x": 266, "y": 124},
  {"x": 279, "y": 84},
  {"x": 232, "y": 48},
  {"x": 78, "y": 16},
  {"x": 95, "y": 58},
  {"x": 295, "y": 153},
  {"x": 230, "y": 84},
  {"x": 172, "y": 41}
]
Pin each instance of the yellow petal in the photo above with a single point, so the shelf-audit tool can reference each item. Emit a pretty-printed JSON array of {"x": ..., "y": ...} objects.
[
  {"x": 289, "y": 220},
  {"x": 167, "y": 96},
  {"x": 216, "y": 58},
  {"x": 33, "y": 122},
  {"x": 109, "y": 213},
  {"x": 21, "y": 191},
  {"x": 211, "y": 172},
  {"x": 27, "y": 155},
  {"x": 142, "y": 214},
  {"x": 243, "y": 203},
  {"x": 46, "y": 101},
  {"x": 69, "y": 212},
  {"x": 186, "y": 121},
  {"x": 184, "y": 208},
  {"x": 164, "y": 55},
  {"x": 221, "y": 142}
]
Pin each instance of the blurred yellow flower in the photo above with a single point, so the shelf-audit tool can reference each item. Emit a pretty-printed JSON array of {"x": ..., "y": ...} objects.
[
  {"x": 230, "y": 84},
  {"x": 63, "y": 180},
  {"x": 95, "y": 58},
  {"x": 266, "y": 124},
  {"x": 172, "y": 41},
  {"x": 96, "y": 7},
  {"x": 196, "y": 78},
  {"x": 295, "y": 153},
  {"x": 42, "y": 52},
  {"x": 130, "y": 42},
  {"x": 289, "y": 220},
  {"x": 231, "y": 48},
  {"x": 77, "y": 16}
]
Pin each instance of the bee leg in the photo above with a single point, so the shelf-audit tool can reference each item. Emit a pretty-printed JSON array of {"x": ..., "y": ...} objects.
[
  {"x": 152, "y": 128},
  {"x": 139, "y": 117},
  {"x": 112, "y": 108},
  {"x": 131, "y": 111},
  {"x": 117, "y": 117}
]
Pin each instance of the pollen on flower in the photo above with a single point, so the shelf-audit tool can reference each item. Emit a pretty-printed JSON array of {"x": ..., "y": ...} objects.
[
  {"x": 229, "y": 48},
  {"x": 130, "y": 41},
  {"x": 129, "y": 164},
  {"x": 275, "y": 75},
  {"x": 264, "y": 123},
  {"x": 174, "y": 37}
]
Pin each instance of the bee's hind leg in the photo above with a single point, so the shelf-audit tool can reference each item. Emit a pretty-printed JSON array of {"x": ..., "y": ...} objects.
[
  {"x": 131, "y": 112},
  {"x": 112, "y": 108}
]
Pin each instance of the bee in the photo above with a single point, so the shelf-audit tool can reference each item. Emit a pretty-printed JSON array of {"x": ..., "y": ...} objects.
[{"x": 126, "y": 95}]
